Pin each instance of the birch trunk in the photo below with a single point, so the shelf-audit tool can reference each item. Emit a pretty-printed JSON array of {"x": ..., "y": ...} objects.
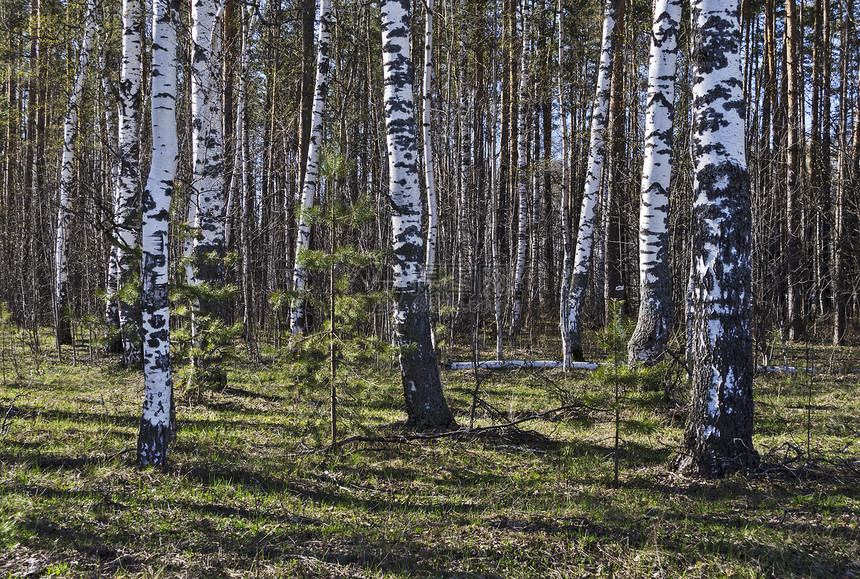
[
  {"x": 426, "y": 406},
  {"x": 718, "y": 437},
  {"x": 312, "y": 172},
  {"x": 429, "y": 170},
  {"x": 127, "y": 195},
  {"x": 572, "y": 325},
  {"x": 567, "y": 234},
  {"x": 793, "y": 229},
  {"x": 155, "y": 423},
  {"x": 522, "y": 171},
  {"x": 649, "y": 339},
  {"x": 67, "y": 166},
  {"x": 206, "y": 209}
]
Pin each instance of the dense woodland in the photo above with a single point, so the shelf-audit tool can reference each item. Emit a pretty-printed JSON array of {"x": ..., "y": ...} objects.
[{"x": 525, "y": 128}]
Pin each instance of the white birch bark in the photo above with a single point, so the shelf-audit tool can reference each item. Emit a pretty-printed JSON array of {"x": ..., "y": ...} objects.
[
  {"x": 240, "y": 179},
  {"x": 649, "y": 339},
  {"x": 127, "y": 195},
  {"x": 567, "y": 234},
  {"x": 571, "y": 334},
  {"x": 427, "y": 133},
  {"x": 204, "y": 251},
  {"x": 158, "y": 383},
  {"x": 522, "y": 170},
  {"x": 718, "y": 437},
  {"x": 426, "y": 406},
  {"x": 67, "y": 166},
  {"x": 312, "y": 171}
]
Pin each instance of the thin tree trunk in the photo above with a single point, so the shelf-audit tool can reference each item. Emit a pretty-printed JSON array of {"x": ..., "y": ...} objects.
[
  {"x": 594, "y": 175},
  {"x": 155, "y": 424},
  {"x": 67, "y": 166},
  {"x": 613, "y": 289},
  {"x": 654, "y": 324},
  {"x": 522, "y": 169},
  {"x": 429, "y": 160},
  {"x": 426, "y": 406},
  {"x": 312, "y": 172},
  {"x": 793, "y": 168}
]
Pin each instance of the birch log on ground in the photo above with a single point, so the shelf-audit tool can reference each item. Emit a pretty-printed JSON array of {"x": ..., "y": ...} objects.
[
  {"x": 155, "y": 423},
  {"x": 654, "y": 324},
  {"x": 426, "y": 406},
  {"x": 67, "y": 171},
  {"x": 312, "y": 172},
  {"x": 718, "y": 437}
]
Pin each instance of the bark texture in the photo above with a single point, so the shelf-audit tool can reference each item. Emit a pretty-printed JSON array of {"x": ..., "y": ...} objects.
[
  {"x": 654, "y": 324},
  {"x": 312, "y": 171},
  {"x": 127, "y": 194},
  {"x": 718, "y": 437},
  {"x": 426, "y": 406},
  {"x": 572, "y": 324},
  {"x": 67, "y": 171},
  {"x": 155, "y": 423}
]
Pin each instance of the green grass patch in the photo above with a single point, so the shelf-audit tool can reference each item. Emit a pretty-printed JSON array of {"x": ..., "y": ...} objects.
[{"x": 242, "y": 496}]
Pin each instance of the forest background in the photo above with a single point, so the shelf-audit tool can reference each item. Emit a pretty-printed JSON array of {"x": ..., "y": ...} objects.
[{"x": 510, "y": 114}]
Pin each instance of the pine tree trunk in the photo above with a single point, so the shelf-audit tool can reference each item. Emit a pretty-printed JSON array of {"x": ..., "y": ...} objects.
[
  {"x": 155, "y": 423},
  {"x": 298, "y": 321},
  {"x": 654, "y": 324},
  {"x": 572, "y": 326},
  {"x": 426, "y": 406},
  {"x": 718, "y": 437},
  {"x": 67, "y": 167}
]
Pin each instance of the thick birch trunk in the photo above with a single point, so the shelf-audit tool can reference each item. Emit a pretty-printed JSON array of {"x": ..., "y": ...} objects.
[
  {"x": 127, "y": 195},
  {"x": 522, "y": 171},
  {"x": 155, "y": 423},
  {"x": 572, "y": 326},
  {"x": 67, "y": 167},
  {"x": 312, "y": 172},
  {"x": 648, "y": 343},
  {"x": 718, "y": 437},
  {"x": 426, "y": 406}
]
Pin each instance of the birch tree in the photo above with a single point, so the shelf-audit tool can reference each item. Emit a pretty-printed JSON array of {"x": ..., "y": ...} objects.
[
  {"x": 718, "y": 437},
  {"x": 67, "y": 170},
  {"x": 312, "y": 171},
  {"x": 205, "y": 251},
  {"x": 649, "y": 339},
  {"x": 155, "y": 423},
  {"x": 572, "y": 319},
  {"x": 127, "y": 194},
  {"x": 426, "y": 406},
  {"x": 522, "y": 170},
  {"x": 427, "y": 135}
]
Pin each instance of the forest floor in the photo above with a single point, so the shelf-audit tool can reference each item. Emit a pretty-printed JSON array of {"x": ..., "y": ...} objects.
[{"x": 247, "y": 495}]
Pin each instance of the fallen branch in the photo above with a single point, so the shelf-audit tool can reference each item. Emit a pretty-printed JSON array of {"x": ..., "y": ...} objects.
[
  {"x": 404, "y": 438},
  {"x": 508, "y": 364}
]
